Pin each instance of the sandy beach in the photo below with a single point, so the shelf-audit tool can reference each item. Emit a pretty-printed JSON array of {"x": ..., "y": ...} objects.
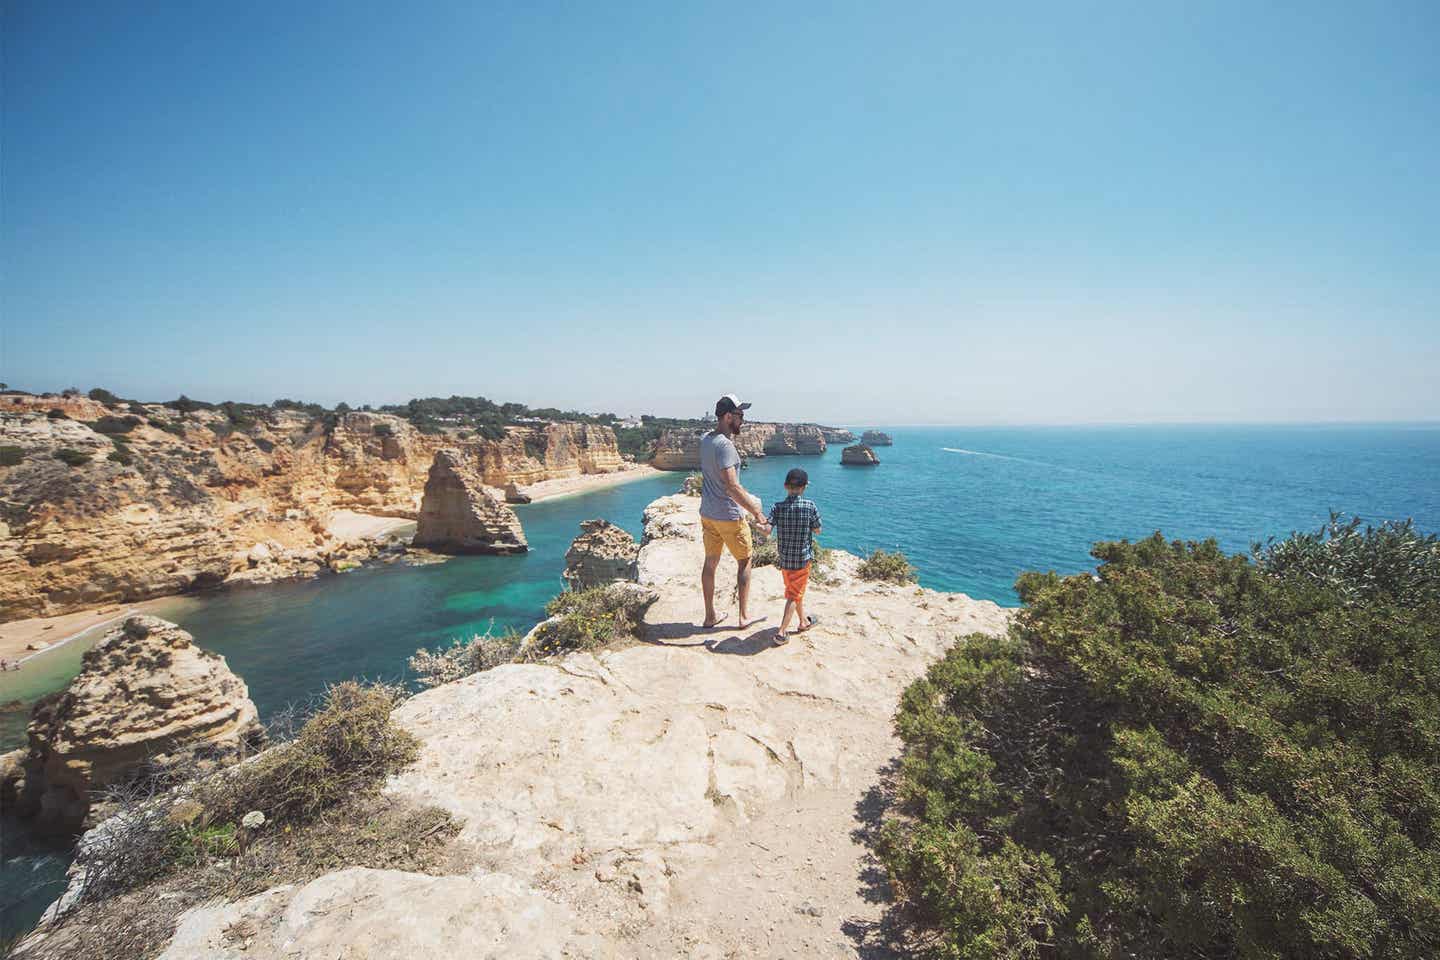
[
  {"x": 568, "y": 486},
  {"x": 349, "y": 525},
  {"x": 16, "y": 635}
]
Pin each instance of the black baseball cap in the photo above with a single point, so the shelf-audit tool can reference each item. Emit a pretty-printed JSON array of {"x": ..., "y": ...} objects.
[
  {"x": 797, "y": 478},
  {"x": 729, "y": 404}
]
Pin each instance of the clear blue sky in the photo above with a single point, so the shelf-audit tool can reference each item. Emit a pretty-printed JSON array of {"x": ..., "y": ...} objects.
[{"x": 947, "y": 212}]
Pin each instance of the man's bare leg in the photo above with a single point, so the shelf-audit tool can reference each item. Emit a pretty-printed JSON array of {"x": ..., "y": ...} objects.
[
  {"x": 742, "y": 584},
  {"x": 707, "y": 586}
]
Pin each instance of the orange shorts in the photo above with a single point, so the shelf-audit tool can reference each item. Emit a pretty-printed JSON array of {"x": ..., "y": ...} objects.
[{"x": 795, "y": 582}]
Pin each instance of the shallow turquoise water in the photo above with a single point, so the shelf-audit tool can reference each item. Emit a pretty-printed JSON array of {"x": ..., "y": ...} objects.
[{"x": 972, "y": 507}]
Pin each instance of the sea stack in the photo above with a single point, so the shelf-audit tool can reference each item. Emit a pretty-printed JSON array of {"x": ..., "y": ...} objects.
[
  {"x": 858, "y": 456},
  {"x": 146, "y": 696},
  {"x": 874, "y": 438},
  {"x": 458, "y": 516},
  {"x": 603, "y": 553}
]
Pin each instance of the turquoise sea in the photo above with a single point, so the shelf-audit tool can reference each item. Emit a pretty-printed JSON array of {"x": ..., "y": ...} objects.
[{"x": 971, "y": 506}]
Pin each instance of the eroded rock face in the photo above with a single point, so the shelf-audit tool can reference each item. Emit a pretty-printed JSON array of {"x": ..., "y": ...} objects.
[
  {"x": 513, "y": 494},
  {"x": 602, "y": 553},
  {"x": 837, "y": 435},
  {"x": 146, "y": 694},
  {"x": 858, "y": 455},
  {"x": 458, "y": 516},
  {"x": 680, "y": 449},
  {"x": 190, "y": 493},
  {"x": 874, "y": 438}
]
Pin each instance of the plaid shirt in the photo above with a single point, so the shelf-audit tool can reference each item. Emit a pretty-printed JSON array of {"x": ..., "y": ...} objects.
[{"x": 794, "y": 518}]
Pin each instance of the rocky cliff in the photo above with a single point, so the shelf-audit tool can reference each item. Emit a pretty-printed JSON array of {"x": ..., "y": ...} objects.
[
  {"x": 874, "y": 438},
  {"x": 700, "y": 794},
  {"x": 858, "y": 455},
  {"x": 121, "y": 503},
  {"x": 680, "y": 449},
  {"x": 146, "y": 695},
  {"x": 601, "y": 554},
  {"x": 457, "y": 515}
]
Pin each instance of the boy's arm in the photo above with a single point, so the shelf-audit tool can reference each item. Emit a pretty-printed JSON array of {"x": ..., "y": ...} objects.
[{"x": 815, "y": 521}]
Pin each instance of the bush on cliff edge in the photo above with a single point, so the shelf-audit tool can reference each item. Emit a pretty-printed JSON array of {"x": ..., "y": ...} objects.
[{"x": 1193, "y": 754}]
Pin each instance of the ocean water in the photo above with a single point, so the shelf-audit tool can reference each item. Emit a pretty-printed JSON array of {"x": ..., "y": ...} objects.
[{"x": 971, "y": 507}]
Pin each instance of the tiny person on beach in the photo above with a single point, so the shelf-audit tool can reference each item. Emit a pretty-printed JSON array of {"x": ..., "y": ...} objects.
[{"x": 795, "y": 521}]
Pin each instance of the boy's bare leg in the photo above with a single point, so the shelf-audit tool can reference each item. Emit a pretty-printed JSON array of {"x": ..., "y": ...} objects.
[
  {"x": 707, "y": 586},
  {"x": 800, "y": 612},
  {"x": 785, "y": 619}
]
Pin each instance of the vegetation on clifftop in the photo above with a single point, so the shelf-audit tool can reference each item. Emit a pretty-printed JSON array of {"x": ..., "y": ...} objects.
[{"x": 1188, "y": 755}]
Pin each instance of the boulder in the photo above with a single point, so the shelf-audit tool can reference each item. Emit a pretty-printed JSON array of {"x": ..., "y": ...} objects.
[
  {"x": 602, "y": 553},
  {"x": 146, "y": 696},
  {"x": 513, "y": 494},
  {"x": 458, "y": 516},
  {"x": 858, "y": 455},
  {"x": 874, "y": 438}
]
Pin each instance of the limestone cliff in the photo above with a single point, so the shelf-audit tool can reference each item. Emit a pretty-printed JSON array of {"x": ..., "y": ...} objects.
[
  {"x": 680, "y": 449},
  {"x": 146, "y": 695},
  {"x": 457, "y": 515},
  {"x": 874, "y": 438},
  {"x": 103, "y": 504},
  {"x": 695, "y": 795}
]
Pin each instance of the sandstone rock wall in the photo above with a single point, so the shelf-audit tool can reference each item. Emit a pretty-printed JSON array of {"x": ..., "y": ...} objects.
[
  {"x": 680, "y": 449},
  {"x": 146, "y": 694},
  {"x": 200, "y": 492}
]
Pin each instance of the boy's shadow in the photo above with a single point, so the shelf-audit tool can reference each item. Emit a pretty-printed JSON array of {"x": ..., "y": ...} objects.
[{"x": 757, "y": 642}]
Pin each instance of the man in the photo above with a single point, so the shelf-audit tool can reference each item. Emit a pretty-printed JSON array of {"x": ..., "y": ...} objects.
[{"x": 723, "y": 506}]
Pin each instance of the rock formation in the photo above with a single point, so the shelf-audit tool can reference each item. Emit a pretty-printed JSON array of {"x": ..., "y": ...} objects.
[
  {"x": 156, "y": 501},
  {"x": 694, "y": 795},
  {"x": 874, "y": 438},
  {"x": 513, "y": 494},
  {"x": 146, "y": 694},
  {"x": 837, "y": 435},
  {"x": 858, "y": 455},
  {"x": 602, "y": 553},
  {"x": 458, "y": 516},
  {"x": 680, "y": 449}
]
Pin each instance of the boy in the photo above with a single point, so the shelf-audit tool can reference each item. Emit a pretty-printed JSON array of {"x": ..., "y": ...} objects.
[{"x": 794, "y": 520}]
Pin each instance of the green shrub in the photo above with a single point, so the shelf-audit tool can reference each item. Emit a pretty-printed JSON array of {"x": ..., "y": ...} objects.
[
  {"x": 1391, "y": 559},
  {"x": 55, "y": 413},
  {"x": 10, "y": 456},
  {"x": 384, "y": 430},
  {"x": 464, "y": 657},
  {"x": 887, "y": 567},
  {"x": 72, "y": 458},
  {"x": 169, "y": 426},
  {"x": 115, "y": 425},
  {"x": 1189, "y": 754},
  {"x": 122, "y": 454},
  {"x": 589, "y": 619},
  {"x": 101, "y": 395}
]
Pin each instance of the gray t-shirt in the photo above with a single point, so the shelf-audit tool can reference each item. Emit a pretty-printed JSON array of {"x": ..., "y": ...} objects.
[{"x": 717, "y": 453}]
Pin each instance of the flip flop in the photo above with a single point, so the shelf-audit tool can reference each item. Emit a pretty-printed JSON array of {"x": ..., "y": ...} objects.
[
  {"x": 781, "y": 639},
  {"x": 809, "y": 622}
]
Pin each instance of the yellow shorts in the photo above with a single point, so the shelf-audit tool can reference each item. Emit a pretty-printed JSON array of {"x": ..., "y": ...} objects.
[{"x": 734, "y": 534}]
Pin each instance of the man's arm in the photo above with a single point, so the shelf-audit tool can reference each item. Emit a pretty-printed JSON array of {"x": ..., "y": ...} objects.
[{"x": 749, "y": 504}]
